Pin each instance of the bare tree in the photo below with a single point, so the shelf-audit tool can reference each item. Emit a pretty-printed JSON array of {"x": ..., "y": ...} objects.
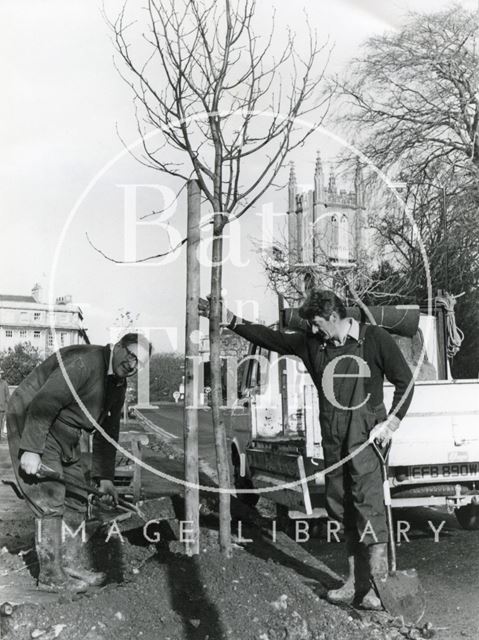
[
  {"x": 219, "y": 99},
  {"x": 355, "y": 282},
  {"x": 413, "y": 97},
  {"x": 411, "y": 102}
]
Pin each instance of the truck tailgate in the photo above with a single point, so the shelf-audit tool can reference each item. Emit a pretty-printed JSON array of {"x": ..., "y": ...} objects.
[{"x": 441, "y": 426}]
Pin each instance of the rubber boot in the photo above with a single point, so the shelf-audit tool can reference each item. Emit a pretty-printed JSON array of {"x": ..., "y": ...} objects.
[
  {"x": 48, "y": 543},
  {"x": 346, "y": 593},
  {"x": 365, "y": 596},
  {"x": 75, "y": 554},
  {"x": 379, "y": 569}
]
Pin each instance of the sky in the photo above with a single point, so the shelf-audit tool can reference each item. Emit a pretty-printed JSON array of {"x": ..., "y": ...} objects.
[{"x": 64, "y": 171}]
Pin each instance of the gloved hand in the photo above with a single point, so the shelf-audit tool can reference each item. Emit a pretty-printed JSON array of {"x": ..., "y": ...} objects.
[
  {"x": 30, "y": 462},
  {"x": 383, "y": 432},
  {"x": 109, "y": 490}
]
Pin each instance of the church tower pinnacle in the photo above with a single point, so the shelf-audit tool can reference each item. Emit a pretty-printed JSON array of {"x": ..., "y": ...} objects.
[
  {"x": 318, "y": 179},
  {"x": 292, "y": 215},
  {"x": 292, "y": 189}
]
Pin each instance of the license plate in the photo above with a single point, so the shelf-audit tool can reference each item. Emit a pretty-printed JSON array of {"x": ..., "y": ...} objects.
[{"x": 455, "y": 470}]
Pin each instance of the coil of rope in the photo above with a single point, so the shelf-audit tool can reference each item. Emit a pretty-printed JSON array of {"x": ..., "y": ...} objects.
[{"x": 454, "y": 335}]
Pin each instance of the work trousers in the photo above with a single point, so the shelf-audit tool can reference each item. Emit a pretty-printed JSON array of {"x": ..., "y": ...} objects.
[
  {"x": 53, "y": 498},
  {"x": 354, "y": 494}
]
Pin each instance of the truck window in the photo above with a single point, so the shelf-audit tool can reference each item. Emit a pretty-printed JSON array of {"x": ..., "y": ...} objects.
[{"x": 251, "y": 375}]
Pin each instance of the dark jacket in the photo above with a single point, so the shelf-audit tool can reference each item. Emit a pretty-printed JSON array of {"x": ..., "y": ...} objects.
[
  {"x": 45, "y": 399},
  {"x": 381, "y": 353}
]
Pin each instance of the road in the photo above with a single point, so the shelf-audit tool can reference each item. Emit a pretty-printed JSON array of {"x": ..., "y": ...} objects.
[
  {"x": 170, "y": 418},
  {"x": 448, "y": 569}
]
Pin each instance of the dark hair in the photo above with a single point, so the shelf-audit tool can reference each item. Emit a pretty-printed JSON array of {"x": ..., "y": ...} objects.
[
  {"x": 321, "y": 302},
  {"x": 136, "y": 338}
]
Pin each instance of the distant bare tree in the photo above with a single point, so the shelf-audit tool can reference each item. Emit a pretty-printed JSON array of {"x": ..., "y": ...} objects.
[
  {"x": 411, "y": 103},
  {"x": 413, "y": 97},
  {"x": 356, "y": 283},
  {"x": 218, "y": 97}
]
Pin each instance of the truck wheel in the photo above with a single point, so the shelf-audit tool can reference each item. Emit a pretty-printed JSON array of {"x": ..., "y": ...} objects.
[
  {"x": 468, "y": 516},
  {"x": 243, "y": 482}
]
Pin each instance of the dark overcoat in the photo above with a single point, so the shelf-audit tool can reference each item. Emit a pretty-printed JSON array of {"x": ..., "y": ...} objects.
[{"x": 60, "y": 399}]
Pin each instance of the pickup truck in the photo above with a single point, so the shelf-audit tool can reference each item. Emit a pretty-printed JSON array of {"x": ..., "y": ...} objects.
[{"x": 434, "y": 459}]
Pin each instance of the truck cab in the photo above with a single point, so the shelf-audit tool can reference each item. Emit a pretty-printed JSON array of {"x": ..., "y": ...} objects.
[{"x": 434, "y": 459}]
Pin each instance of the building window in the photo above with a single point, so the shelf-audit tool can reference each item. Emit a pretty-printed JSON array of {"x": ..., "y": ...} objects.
[
  {"x": 36, "y": 335},
  {"x": 23, "y": 316},
  {"x": 37, "y": 315},
  {"x": 50, "y": 339},
  {"x": 23, "y": 333},
  {"x": 8, "y": 333}
]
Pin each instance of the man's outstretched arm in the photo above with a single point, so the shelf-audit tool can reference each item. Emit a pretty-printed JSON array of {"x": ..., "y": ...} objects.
[{"x": 283, "y": 342}]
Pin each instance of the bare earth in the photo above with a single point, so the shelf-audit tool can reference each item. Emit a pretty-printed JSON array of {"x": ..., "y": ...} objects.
[{"x": 264, "y": 592}]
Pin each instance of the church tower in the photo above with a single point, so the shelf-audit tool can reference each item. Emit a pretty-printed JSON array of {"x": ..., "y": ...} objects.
[{"x": 327, "y": 224}]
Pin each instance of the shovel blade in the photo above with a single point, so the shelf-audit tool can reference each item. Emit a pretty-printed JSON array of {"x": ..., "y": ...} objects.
[{"x": 402, "y": 595}]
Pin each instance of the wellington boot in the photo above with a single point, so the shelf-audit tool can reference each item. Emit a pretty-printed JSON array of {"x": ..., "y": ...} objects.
[
  {"x": 91, "y": 578},
  {"x": 371, "y": 601},
  {"x": 75, "y": 553},
  {"x": 52, "y": 577},
  {"x": 362, "y": 574},
  {"x": 379, "y": 569},
  {"x": 345, "y": 594}
]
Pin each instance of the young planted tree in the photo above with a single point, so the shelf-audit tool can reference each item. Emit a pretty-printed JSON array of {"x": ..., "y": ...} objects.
[{"x": 225, "y": 107}]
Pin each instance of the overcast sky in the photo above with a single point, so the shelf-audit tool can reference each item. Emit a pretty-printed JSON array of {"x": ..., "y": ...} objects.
[{"x": 62, "y": 102}]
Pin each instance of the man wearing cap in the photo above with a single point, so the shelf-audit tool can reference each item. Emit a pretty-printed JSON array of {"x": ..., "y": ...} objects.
[
  {"x": 71, "y": 391},
  {"x": 348, "y": 362},
  {"x": 4, "y": 396}
]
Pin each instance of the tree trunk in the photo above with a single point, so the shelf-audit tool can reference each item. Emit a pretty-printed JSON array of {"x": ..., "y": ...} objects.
[
  {"x": 216, "y": 387},
  {"x": 191, "y": 353}
]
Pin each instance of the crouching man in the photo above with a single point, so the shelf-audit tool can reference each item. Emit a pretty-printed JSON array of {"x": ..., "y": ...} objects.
[
  {"x": 348, "y": 362},
  {"x": 64, "y": 395}
]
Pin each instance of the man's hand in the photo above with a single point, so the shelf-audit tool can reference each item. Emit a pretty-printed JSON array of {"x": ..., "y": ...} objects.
[
  {"x": 30, "y": 462},
  {"x": 204, "y": 311},
  {"x": 204, "y": 308},
  {"x": 383, "y": 432},
  {"x": 109, "y": 490}
]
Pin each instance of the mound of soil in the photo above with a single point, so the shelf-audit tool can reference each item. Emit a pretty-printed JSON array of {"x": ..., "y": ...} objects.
[{"x": 167, "y": 595}]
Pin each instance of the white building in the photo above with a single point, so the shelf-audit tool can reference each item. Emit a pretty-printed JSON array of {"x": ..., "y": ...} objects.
[{"x": 28, "y": 319}]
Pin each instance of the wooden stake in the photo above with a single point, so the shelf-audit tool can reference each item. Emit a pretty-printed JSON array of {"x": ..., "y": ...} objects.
[{"x": 191, "y": 360}]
